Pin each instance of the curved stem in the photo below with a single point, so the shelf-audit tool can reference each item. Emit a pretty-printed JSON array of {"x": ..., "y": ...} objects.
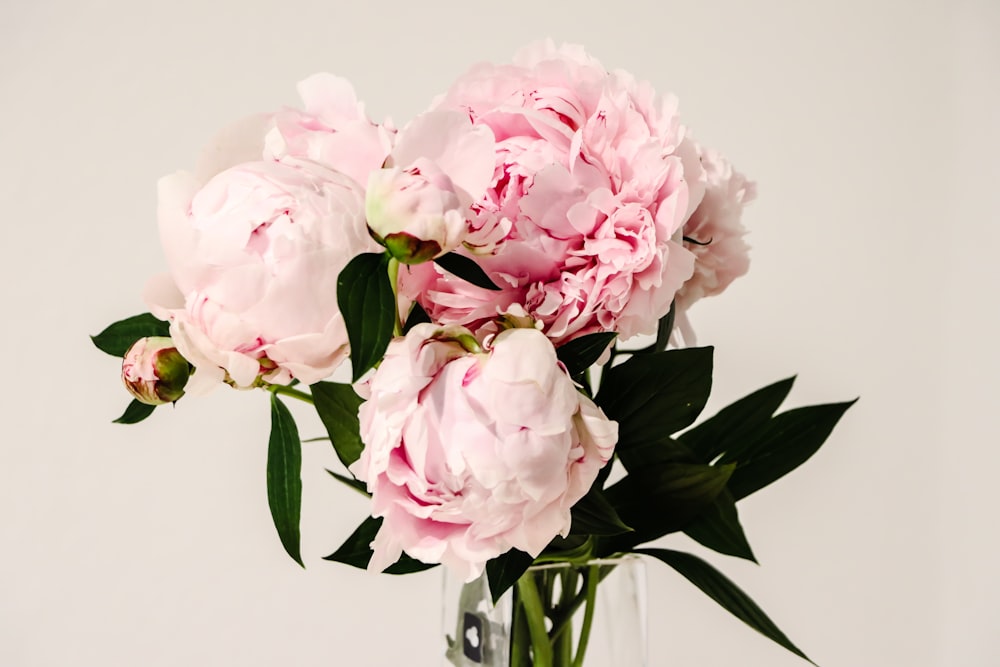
[
  {"x": 534, "y": 614},
  {"x": 397, "y": 327},
  {"x": 588, "y": 615},
  {"x": 289, "y": 391}
]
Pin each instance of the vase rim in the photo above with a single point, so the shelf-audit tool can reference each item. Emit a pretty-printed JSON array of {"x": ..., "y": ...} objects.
[{"x": 609, "y": 560}]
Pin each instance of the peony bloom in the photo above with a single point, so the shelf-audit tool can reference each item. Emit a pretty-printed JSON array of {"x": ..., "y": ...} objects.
[
  {"x": 592, "y": 178},
  {"x": 254, "y": 257},
  {"x": 470, "y": 452},
  {"x": 154, "y": 371}
]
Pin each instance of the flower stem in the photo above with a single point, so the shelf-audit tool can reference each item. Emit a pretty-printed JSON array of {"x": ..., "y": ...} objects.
[
  {"x": 397, "y": 327},
  {"x": 592, "y": 577},
  {"x": 534, "y": 614},
  {"x": 289, "y": 391}
]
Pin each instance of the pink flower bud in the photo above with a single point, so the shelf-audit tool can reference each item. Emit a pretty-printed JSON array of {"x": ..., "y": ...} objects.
[{"x": 154, "y": 371}]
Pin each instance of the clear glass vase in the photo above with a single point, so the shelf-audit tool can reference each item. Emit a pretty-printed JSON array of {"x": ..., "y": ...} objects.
[{"x": 557, "y": 615}]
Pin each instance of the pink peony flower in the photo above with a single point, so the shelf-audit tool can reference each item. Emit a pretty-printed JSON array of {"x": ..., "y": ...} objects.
[
  {"x": 254, "y": 257},
  {"x": 593, "y": 177},
  {"x": 721, "y": 254},
  {"x": 470, "y": 452},
  {"x": 154, "y": 372}
]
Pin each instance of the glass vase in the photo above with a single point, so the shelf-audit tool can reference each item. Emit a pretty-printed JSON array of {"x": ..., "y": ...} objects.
[{"x": 557, "y": 615}]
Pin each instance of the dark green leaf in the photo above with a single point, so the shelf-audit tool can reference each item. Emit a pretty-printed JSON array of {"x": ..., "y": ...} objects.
[
  {"x": 466, "y": 269},
  {"x": 664, "y": 328},
  {"x": 655, "y": 452},
  {"x": 284, "y": 482},
  {"x": 594, "y": 515},
  {"x": 337, "y": 406},
  {"x": 355, "y": 484},
  {"x": 785, "y": 443},
  {"x": 356, "y": 551},
  {"x": 417, "y": 316},
  {"x": 135, "y": 413},
  {"x": 664, "y": 498},
  {"x": 654, "y": 395},
  {"x": 503, "y": 571},
  {"x": 731, "y": 429},
  {"x": 119, "y": 337},
  {"x": 711, "y": 582},
  {"x": 581, "y": 353},
  {"x": 367, "y": 303},
  {"x": 719, "y": 529}
]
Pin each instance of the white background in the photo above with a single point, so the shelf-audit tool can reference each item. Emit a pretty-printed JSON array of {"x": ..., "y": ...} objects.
[{"x": 871, "y": 130}]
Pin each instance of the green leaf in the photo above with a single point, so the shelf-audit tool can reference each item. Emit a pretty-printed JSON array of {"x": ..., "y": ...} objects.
[
  {"x": 117, "y": 338},
  {"x": 135, "y": 413},
  {"x": 711, "y": 582},
  {"x": 417, "y": 316},
  {"x": 503, "y": 571},
  {"x": 351, "y": 482},
  {"x": 594, "y": 515},
  {"x": 664, "y": 498},
  {"x": 786, "y": 442},
  {"x": 284, "y": 482},
  {"x": 466, "y": 269},
  {"x": 733, "y": 426},
  {"x": 664, "y": 328},
  {"x": 719, "y": 529},
  {"x": 656, "y": 452},
  {"x": 337, "y": 406},
  {"x": 652, "y": 396},
  {"x": 356, "y": 551},
  {"x": 367, "y": 303},
  {"x": 581, "y": 353}
]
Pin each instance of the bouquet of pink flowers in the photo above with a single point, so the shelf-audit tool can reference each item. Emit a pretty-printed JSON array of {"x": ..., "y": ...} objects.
[{"x": 478, "y": 268}]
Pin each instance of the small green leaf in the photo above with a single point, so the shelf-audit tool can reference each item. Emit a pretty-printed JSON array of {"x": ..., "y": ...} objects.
[
  {"x": 284, "y": 482},
  {"x": 594, "y": 515},
  {"x": 357, "y": 552},
  {"x": 351, "y": 482},
  {"x": 337, "y": 406},
  {"x": 581, "y": 353},
  {"x": 652, "y": 396},
  {"x": 786, "y": 442},
  {"x": 117, "y": 338},
  {"x": 662, "y": 499},
  {"x": 711, "y": 582},
  {"x": 417, "y": 316},
  {"x": 731, "y": 429},
  {"x": 719, "y": 529},
  {"x": 368, "y": 305},
  {"x": 664, "y": 328},
  {"x": 503, "y": 571},
  {"x": 466, "y": 269},
  {"x": 135, "y": 413}
]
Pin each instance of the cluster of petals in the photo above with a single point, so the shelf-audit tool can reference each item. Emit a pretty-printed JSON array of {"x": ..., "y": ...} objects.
[{"x": 469, "y": 452}]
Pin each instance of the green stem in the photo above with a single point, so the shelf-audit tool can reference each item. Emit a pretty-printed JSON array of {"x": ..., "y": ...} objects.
[
  {"x": 289, "y": 391},
  {"x": 534, "y": 614},
  {"x": 592, "y": 577},
  {"x": 397, "y": 327}
]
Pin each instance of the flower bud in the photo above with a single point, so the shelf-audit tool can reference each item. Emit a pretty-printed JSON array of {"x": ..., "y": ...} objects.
[
  {"x": 154, "y": 371},
  {"x": 416, "y": 213}
]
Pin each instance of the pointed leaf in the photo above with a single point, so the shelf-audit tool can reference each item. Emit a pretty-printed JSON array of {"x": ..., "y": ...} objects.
[
  {"x": 117, "y": 338},
  {"x": 503, "y": 571},
  {"x": 711, "y": 582},
  {"x": 466, "y": 269},
  {"x": 417, "y": 316},
  {"x": 731, "y": 428},
  {"x": 581, "y": 353},
  {"x": 719, "y": 529},
  {"x": 284, "y": 482},
  {"x": 786, "y": 442},
  {"x": 356, "y": 551},
  {"x": 337, "y": 406},
  {"x": 652, "y": 396},
  {"x": 135, "y": 413},
  {"x": 664, "y": 328},
  {"x": 351, "y": 482},
  {"x": 368, "y": 305},
  {"x": 594, "y": 515}
]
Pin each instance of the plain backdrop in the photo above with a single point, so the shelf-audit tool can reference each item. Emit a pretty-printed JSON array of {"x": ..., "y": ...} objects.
[{"x": 870, "y": 127}]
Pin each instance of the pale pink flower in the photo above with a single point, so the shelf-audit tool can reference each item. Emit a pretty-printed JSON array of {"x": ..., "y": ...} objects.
[
  {"x": 593, "y": 177},
  {"x": 154, "y": 372},
  {"x": 470, "y": 452},
  {"x": 254, "y": 257},
  {"x": 714, "y": 234}
]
